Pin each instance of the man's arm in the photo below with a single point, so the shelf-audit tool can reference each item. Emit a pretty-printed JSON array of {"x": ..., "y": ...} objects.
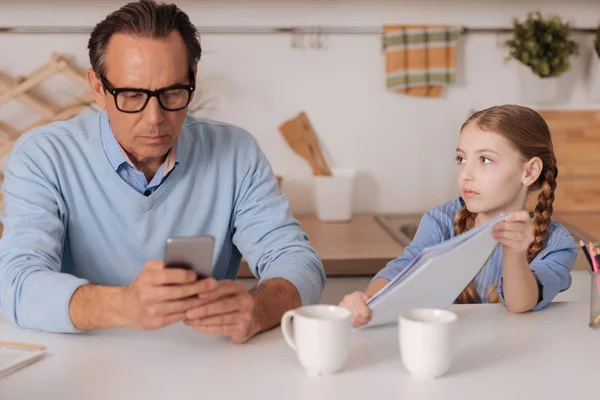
[
  {"x": 278, "y": 253},
  {"x": 273, "y": 298},
  {"x": 96, "y": 307},
  {"x": 265, "y": 232},
  {"x": 33, "y": 293}
]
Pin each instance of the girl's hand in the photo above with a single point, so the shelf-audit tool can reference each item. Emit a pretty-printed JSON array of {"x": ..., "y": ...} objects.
[
  {"x": 515, "y": 233},
  {"x": 356, "y": 303}
]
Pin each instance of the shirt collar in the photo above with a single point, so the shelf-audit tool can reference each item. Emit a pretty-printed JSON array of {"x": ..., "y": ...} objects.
[{"x": 116, "y": 155}]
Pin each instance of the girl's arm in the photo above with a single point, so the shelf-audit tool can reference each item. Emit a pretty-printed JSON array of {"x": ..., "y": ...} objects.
[
  {"x": 375, "y": 286},
  {"x": 526, "y": 287},
  {"x": 520, "y": 286}
]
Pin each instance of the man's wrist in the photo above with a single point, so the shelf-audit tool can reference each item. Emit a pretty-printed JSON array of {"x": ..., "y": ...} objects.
[
  {"x": 98, "y": 307},
  {"x": 273, "y": 298},
  {"x": 117, "y": 310},
  {"x": 258, "y": 318}
]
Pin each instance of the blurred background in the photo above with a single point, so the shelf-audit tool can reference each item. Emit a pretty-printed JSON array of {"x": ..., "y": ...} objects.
[{"x": 385, "y": 86}]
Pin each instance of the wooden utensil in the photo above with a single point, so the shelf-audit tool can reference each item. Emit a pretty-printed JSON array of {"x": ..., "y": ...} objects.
[{"x": 301, "y": 137}]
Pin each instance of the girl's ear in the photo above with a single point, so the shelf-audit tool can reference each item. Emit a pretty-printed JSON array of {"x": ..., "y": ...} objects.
[{"x": 531, "y": 171}]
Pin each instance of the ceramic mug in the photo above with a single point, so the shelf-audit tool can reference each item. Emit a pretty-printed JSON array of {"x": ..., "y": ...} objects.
[{"x": 320, "y": 335}]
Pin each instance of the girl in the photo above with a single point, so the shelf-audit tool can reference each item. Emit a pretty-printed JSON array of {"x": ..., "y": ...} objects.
[{"x": 503, "y": 153}]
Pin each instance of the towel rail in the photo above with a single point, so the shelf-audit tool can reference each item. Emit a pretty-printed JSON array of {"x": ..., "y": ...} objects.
[{"x": 262, "y": 30}]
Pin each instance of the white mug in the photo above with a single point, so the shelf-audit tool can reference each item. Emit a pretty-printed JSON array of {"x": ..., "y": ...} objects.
[
  {"x": 427, "y": 341},
  {"x": 320, "y": 335}
]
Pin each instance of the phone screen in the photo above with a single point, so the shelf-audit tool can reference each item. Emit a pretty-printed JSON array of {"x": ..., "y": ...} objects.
[{"x": 193, "y": 253}]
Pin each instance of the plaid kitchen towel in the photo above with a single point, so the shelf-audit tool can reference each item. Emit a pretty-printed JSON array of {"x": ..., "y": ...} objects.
[{"x": 420, "y": 59}]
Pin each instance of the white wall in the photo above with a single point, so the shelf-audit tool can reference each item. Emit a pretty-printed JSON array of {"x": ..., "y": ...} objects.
[{"x": 402, "y": 146}]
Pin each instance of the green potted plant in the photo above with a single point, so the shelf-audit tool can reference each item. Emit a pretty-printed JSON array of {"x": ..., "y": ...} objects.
[
  {"x": 595, "y": 68},
  {"x": 543, "y": 46}
]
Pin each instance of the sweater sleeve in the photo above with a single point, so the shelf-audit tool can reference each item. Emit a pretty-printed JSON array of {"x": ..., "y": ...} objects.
[
  {"x": 264, "y": 231},
  {"x": 33, "y": 292}
]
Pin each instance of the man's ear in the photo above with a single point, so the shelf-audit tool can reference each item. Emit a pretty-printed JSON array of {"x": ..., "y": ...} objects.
[
  {"x": 195, "y": 69},
  {"x": 531, "y": 172},
  {"x": 97, "y": 88}
]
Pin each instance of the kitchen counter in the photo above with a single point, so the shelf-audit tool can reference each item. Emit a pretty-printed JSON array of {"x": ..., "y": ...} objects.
[
  {"x": 584, "y": 226},
  {"x": 360, "y": 247},
  {"x": 587, "y": 224}
]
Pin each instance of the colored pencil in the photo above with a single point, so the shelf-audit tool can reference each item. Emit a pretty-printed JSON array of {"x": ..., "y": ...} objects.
[{"x": 587, "y": 253}]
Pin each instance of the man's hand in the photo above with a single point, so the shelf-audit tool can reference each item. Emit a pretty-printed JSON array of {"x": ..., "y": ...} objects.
[
  {"x": 228, "y": 309},
  {"x": 161, "y": 296}
]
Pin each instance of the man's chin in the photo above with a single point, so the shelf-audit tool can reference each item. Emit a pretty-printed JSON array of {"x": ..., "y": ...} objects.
[
  {"x": 153, "y": 152},
  {"x": 164, "y": 141}
]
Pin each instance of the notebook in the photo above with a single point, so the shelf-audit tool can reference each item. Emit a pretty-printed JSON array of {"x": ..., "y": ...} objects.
[
  {"x": 14, "y": 356},
  {"x": 436, "y": 277}
]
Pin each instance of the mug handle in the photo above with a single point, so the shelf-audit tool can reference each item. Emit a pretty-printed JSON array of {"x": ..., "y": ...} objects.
[{"x": 286, "y": 328}]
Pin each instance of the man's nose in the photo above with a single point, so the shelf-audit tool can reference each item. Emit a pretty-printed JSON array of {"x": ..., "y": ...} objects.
[{"x": 154, "y": 113}]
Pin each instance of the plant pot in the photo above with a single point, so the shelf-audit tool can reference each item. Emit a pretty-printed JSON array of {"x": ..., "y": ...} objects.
[
  {"x": 535, "y": 89},
  {"x": 594, "y": 77}
]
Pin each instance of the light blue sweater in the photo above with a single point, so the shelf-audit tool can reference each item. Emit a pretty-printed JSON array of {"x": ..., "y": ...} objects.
[{"x": 70, "y": 219}]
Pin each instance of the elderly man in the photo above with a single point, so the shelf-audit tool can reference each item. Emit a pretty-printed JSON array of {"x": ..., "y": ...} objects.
[{"x": 91, "y": 201}]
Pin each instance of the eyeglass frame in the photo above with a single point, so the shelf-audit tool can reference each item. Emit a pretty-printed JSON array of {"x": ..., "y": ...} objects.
[{"x": 150, "y": 93}]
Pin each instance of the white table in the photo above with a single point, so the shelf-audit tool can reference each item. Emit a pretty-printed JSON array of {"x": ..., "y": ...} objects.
[{"x": 548, "y": 354}]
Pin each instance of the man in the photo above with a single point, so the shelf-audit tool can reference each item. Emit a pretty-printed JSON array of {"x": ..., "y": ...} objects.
[{"x": 91, "y": 201}]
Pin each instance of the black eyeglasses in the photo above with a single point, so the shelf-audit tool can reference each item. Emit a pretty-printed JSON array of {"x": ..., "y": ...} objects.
[{"x": 131, "y": 100}]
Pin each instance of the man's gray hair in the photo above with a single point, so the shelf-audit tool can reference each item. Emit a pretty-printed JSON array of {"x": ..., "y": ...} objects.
[{"x": 147, "y": 19}]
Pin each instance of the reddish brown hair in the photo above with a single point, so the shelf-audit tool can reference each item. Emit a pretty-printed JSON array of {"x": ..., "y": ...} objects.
[{"x": 530, "y": 135}]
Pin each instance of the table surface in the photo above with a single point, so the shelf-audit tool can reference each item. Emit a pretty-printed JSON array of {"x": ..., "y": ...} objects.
[{"x": 547, "y": 354}]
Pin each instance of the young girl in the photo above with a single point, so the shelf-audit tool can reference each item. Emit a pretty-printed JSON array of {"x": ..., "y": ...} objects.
[{"x": 503, "y": 153}]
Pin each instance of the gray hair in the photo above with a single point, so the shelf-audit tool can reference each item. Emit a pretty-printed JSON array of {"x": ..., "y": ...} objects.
[{"x": 148, "y": 19}]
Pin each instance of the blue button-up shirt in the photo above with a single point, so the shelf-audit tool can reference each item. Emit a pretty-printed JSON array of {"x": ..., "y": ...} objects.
[{"x": 123, "y": 166}]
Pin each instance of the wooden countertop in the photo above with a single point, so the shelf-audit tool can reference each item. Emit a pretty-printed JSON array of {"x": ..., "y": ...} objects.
[
  {"x": 581, "y": 224},
  {"x": 587, "y": 223},
  {"x": 362, "y": 247},
  {"x": 358, "y": 247}
]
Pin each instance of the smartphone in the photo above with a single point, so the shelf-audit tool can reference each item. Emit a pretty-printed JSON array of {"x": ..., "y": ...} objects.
[{"x": 194, "y": 253}]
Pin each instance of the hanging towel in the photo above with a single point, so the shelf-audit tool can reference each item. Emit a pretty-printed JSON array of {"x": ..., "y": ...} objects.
[{"x": 420, "y": 59}]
